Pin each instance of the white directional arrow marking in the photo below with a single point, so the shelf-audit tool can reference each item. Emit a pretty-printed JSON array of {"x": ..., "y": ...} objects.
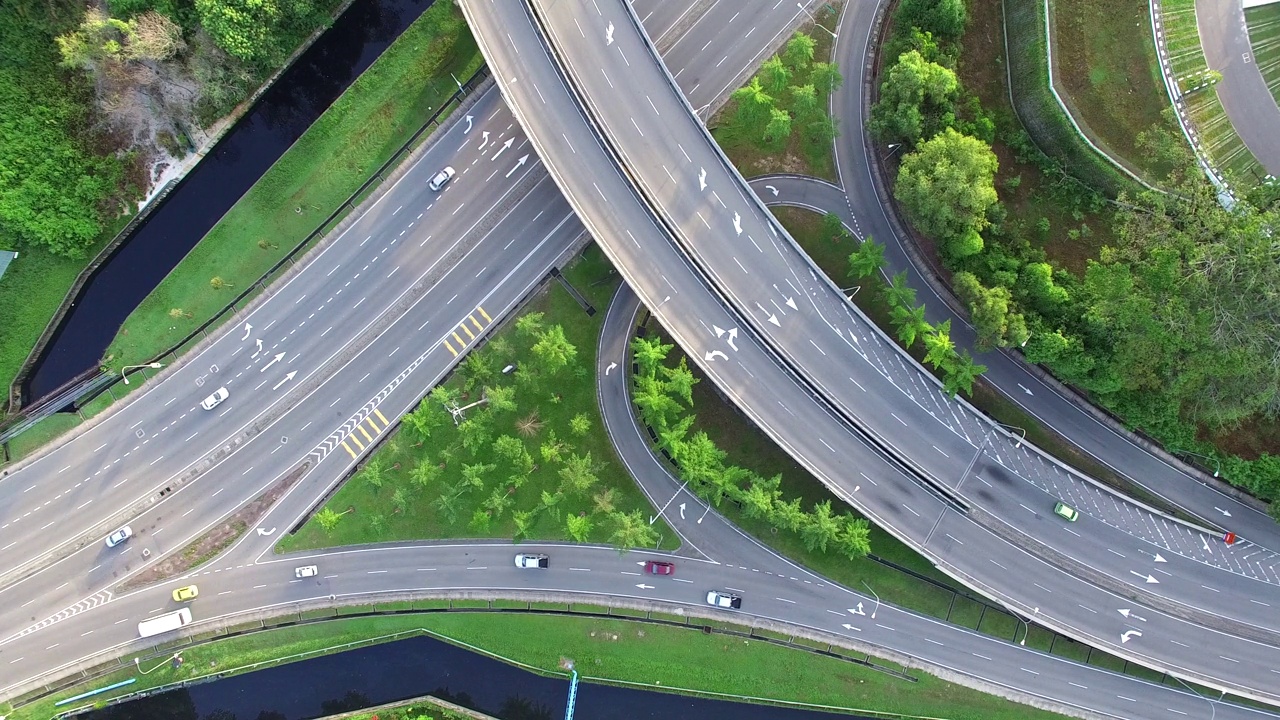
[
  {"x": 791, "y": 303},
  {"x": 255, "y": 355},
  {"x": 847, "y": 626},
  {"x": 612, "y": 365},
  {"x": 642, "y": 586},
  {"x": 1124, "y": 637},
  {"x": 274, "y": 360},
  {"x": 286, "y": 379},
  {"x": 737, "y": 223},
  {"x": 1149, "y": 578},
  {"x": 266, "y": 532},
  {"x": 774, "y": 319},
  {"x": 484, "y": 136},
  {"x": 702, "y": 179},
  {"x": 247, "y": 329},
  {"x": 469, "y": 118},
  {"x": 733, "y": 335},
  {"x": 1160, "y": 558},
  {"x": 713, "y": 354},
  {"x": 682, "y": 511},
  {"x": 772, "y": 189},
  {"x": 519, "y": 162},
  {"x": 505, "y": 145},
  {"x": 1024, "y": 389},
  {"x": 856, "y": 611},
  {"x": 719, "y": 331},
  {"x": 608, "y": 35},
  {"x": 1125, "y": 612},
  {"x": 1224, "y": 512}
]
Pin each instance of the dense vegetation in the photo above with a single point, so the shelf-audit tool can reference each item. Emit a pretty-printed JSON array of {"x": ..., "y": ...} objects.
[{"x": 1173, "y": 326}]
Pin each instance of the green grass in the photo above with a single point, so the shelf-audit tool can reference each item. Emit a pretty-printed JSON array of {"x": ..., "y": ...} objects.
[
  {"x": 653, "y": 656},
  {"x": 1106, "y": 66},
  {"x": 417, "y": 710},
  {"x": 1264, "y": 36},
  {"x": 747, "y": 149},
  {"x": 556, "y": 401},
  {"x": 359, "y": 132},
  {"x": 1217, "y": 137},
  {"x": 31, "y": 439}
]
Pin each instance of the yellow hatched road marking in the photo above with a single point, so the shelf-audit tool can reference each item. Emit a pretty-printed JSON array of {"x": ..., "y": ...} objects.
[
  {"x": 485, "y": 314},
  {"x": 373, "y": 424},
  {"x": 383, "y": 418},
  {"x": 355, "y": 440},
  {"x": 347, "y": 447},
  {"x": 460, "y": 342},
  {"x": 446, "y": 344},
  {"x": 365, "y": 433},
  {"x": 473, "y": 320},
  {"x": 468, "y": 332}
]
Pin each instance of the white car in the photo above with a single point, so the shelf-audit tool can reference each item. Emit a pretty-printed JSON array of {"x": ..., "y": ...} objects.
[
  {"x": 532, "y": 561},
  {"x": 305, "y": 571},
  {"x": 215, "y": 399},
  {"x": 119, "y": 536},
  {"x": 724, "y": 599},
  {"x": 440, "y": 179}
]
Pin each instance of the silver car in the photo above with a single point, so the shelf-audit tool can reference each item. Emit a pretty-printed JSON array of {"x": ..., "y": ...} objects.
[
  {"x": 119, "y": 536},
  {"x": 305, "y": 571},
  {"x": 532, "y": 561},
  {"x": 440, "y": 179},
  {"x": 215, "y": 399},
  {"x": 724, "y": 599}
]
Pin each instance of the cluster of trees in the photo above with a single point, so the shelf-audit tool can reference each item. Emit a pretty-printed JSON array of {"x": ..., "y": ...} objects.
[
  {"x": 492, "y": 467},
  {"x": 1173, "y": 327},
  {"x": 788, "y": 95},
  {"x": 664, "y": 395},
  {"x": 957, "y": 366}
]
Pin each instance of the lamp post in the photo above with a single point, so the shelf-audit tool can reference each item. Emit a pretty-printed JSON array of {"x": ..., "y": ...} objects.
[
  {"x": 874, "y": 595},
  {"x": 125, "y": 370},
  {"x": 805, "y": 10},
  {"x": 138, "y": 664}
]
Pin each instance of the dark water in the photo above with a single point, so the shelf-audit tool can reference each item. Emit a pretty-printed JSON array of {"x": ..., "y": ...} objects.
[
  {"x": 420, "y": 666},
  {"x": 279, "y": 117}
]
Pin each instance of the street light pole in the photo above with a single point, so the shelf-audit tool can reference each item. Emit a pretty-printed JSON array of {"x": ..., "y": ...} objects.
[
  {"x": 805, "y": 10},
  {"x": 124, "y": 371},
  {"x": 137, "y": 664},
  {"x": 874, "y": 595},
  {"x": 1217, "y": 469}
]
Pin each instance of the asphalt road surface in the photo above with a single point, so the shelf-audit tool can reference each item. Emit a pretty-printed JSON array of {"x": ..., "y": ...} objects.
[{"x": 1244, "y": 94}]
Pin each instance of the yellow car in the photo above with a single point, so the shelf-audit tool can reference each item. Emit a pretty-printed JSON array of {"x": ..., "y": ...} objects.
[{"x": 183, "y": 594}]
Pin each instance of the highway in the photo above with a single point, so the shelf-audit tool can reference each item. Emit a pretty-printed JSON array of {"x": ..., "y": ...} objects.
[
  {"x": 614, "y": 47},
  {"x": 1243, "y": 92},
  {"x": 373, "y": 359}
]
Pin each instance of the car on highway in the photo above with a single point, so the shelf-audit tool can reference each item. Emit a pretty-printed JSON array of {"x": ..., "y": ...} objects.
[
  {"x": 119, "y": 536},
  {"x": 440, "y": 179},
  {"x": 183, "y": 594},
  {"x": 719, "y": 598},
  {"x": 528, "y": 561},
  {"x": 658, "y": 567},
  {"x": 305, "y": 571},
  {"x": 1066, "y": 512},
  {"x": 215, "y": 399}
]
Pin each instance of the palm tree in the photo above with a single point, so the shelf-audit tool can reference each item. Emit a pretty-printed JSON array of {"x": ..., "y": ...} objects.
[
  {"x": 649, "y": 354},
  {"x": 579, "y": 527},
  {"x": 374, "y": 473},
  {"x": 911, "y": 324},
  {"x": 940, "y": 350},
  {"x": 754, "y": 103},
  {"x": 899, "y": 293},
  {"x": 867, "y": 260},
  {"x": 632, "y": 530},
  {"x": 821, "y": 528},
  {"x": 424, "y": 473},
  {"x": 498, "y": 502},
  {"x": 603, "y": 501},
  {"x": 962, "y": 375}
]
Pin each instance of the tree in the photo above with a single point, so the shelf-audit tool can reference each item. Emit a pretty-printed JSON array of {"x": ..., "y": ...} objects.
[
  {"x": 603, "y": 501},
  {"x": 578, "y": 474},
  {"x": 774, "y": 76},
  {"x": 917, "y": 100},
  {"x": 580, "y": 424},
  {"x": 217, "y": 283},
  {"x": 820, "y": 131},
  {"x": 853, "y": 540},
  {"x": 833, "y": 227},
  {"x": 798, "y": 52},
  {"x": 551, "y": 449},
  {"x": 447, "y": 505},
  {"x": 911, "y": 324},
  {"x": 804, "y": 98},
  {"x": 758, "y": 501},
  {"x": 529, "y": 325},
  {"x": 945, "y": 19},
  {"x": 498, "y": 502},
  {"x": 679, "y": 381},
  {"x": 820, "y": 528},
  {"x": 501, "y": 398},
  {"x": 700, "y": 460},
  {"x": 989, "y": 309},
  {"x": 378, "y": 524},
  {"x": 898, "y": 293},
  {"x": 476, "y": 432},
  {"x": 244, "y": 28},
  {"x": 374, "y": 473},
  {"x": 656, "y": 406},
  {"x": 825, "y": 77},
  {"x": 676, "y": 433},
  {"x": 940, "y": 350},
  {"x": 328, "y": 518},
  {"x": 523, "y": 520},
  {"x": 578, "y": 527},
  {"x": 967, "y": 244},
  {"x": 779, "y": 127},
  {"x": 867, "y": 260},
  {"x": 477, "y": 370},
  {"x": 425, "y": 473},
  {"x": 948, "y": 184},
  {"x": 631, "y": 530},
  {"x": 445, "y": 396},
  {"x": 473, "y": 474},
  {"x": 529, "y": 425},
  {"x": 788, "y": 515},
  {"x": 512, "y": 450},
  {"x": 649, "y": 354},
  {"x": 1037, "y": 287},
  {"x": 480, "y": 521},
  {"x": 399, "y": 500},
  {"x": 962, "y": 374},
  {"x": 753, "y": 103},
  {"x": 554, "y": 350},
  {"x": 425, "y": 419}
]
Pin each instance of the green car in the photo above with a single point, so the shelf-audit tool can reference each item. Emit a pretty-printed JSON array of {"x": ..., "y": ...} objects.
[{"x": 1066, "y": 512}]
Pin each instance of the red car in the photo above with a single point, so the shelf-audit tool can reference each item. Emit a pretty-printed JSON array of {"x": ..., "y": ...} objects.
[{"x": 657, "y": 567}]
